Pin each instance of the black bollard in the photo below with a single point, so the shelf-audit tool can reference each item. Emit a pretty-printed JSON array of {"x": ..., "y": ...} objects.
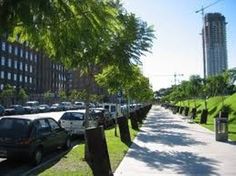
[
  {"x": 124, "y": 130},
  {"x": 181, "y": 109},
  {"x": 204, "y": 115},
  {"x": 193, "y": 113},
  {"x": 97, "y": 146},
  {"x": 133, "y": 119},
  {"x": 186, "y": 110}
]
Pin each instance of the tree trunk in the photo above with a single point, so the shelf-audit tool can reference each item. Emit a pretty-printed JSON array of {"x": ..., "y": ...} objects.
[{"x": 86, "y": 120}]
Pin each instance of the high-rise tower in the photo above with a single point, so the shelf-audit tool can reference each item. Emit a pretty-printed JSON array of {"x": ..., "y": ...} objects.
[{"x": 215, "y": 43}]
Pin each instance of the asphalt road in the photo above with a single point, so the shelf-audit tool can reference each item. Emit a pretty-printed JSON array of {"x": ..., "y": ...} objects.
[{"x": 16, "y": 168}]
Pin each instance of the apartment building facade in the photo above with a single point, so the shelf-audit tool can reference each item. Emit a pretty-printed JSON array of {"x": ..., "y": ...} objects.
[
  {"x": 23, "y": 67},
  {"x": 215, "y": 43}
]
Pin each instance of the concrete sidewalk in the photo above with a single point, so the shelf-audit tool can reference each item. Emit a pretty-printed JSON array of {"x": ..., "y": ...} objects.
[{"x": 168, "y": 145}]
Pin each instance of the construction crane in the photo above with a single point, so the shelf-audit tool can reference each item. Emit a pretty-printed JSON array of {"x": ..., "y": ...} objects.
[{"x": 204, "y": 34}]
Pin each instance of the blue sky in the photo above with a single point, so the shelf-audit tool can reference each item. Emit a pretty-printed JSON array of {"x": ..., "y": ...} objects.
[{"x": 178, "y": 47}]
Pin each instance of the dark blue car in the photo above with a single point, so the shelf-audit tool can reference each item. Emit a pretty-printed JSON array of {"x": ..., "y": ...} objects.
[{"x": 30, "y": 137}]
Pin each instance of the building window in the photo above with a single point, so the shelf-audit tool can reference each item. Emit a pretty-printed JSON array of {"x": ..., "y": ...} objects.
[
  {"x": 26, "y": 54},
  {"x": 35, "y": 58},
  {"x": 31, "y": 56},
  {"x": 21, "y": 66},
  {"x": 15, "y": 77},
  {"x": 21, "y": 52},
  {"x": 16, "y": 50},
  {"x": 31, "y": 69},
  {"x": 1, "y": 87},
  {"x": 26, "y": 80},
  {"x": 20, "y": 78},
  {"x": 15, "y": 64},
  {"x": 3, "y": 46},
  {"x": 3, "y": 60},
  {"x": 2, "y": 74},
  {"x": 9, "y": 62},
  {"x": 9, "y": 76},
  {"x": 9, "y": 48},
  {"x": 26, "y": 67},
  {"x": 30, "y": 80}
]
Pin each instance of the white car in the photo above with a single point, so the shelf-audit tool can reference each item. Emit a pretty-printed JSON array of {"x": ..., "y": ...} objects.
[
  {"x": 113, "y": 109},
  {"x": 74, "y": 121}
]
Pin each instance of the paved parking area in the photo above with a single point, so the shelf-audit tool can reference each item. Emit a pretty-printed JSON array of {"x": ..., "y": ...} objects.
[{"x": 169, "y": 145}]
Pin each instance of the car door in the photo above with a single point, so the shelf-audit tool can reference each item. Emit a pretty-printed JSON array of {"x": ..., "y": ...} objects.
[
  {"x": 45, "y": 134},
  {"x": 57, "y": 132}
]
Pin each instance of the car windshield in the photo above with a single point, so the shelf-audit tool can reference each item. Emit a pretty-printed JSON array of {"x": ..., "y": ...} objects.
[
  {"x": 14, "y": 128},
  {"x": 73, "y": 116}
]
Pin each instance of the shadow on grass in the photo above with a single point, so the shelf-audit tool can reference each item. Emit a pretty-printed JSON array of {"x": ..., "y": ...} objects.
[
  {"x": 198, "y": 106},
  {"x": 46, "y": 164},
  {"x": 232, "y": 120},
  {"x": 232, "y": 132},
  {"x": 187, "y": 163},
  {"x": 212, "y": 111}
]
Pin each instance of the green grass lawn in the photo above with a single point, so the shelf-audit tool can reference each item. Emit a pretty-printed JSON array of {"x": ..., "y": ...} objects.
[
  {"x": 73, "y": 163},
  {"x": 214, "y": 105}
]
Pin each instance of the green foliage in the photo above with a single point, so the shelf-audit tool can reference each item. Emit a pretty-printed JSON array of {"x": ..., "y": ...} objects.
[
  {"x": 217, "y": 85},
  {"x": 87, "y": 34},
  {"x": 62, "y": 95},
  {"x": 76, "y": 95},
  {"x": 131, "y": 82},
  {"x": 22, "y": 95},
  {"x": 48, "y": 96},
  {"x": 7, "y": 94},
  {"x": 195, "y": 88}
]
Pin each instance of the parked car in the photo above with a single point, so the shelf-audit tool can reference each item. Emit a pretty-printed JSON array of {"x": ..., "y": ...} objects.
[
  {"x": 44, "y": 108},
  {"x": 31, "y": 107},
  {"x": 66, "y": 105},
  {"x": 102, "y": 116},
  {"x": 30, "y": 137},
  {"x": 112, "y": 109},
  {"x": 56, "y": 107},
  {"x": 74, "y": 121},
  {"x": 14, "y": 110},
  {"x": 2, "y": 110},
  {"x": 79, "y": 105}
]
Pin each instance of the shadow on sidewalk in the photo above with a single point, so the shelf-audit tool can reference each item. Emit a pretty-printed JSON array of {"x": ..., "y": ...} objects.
[
  {"x": 186, "y": 163},
  {"x": 169, "y": 138},
  {"x": 163, "y": 128}
]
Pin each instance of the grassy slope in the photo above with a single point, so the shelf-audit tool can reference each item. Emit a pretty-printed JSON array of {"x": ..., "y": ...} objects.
[
  {"x": 214, "y": 106},
  {"x": 73, "y": 164}
]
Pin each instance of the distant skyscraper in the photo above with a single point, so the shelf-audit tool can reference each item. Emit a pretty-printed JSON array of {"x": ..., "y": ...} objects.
[{"x": 215, "y": 43}]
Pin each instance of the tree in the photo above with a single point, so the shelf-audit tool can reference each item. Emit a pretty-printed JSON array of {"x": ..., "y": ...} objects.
[
  {"x": 48, "y": 96},
  {"x": 131, "y": 82},
  {"x": 22, "y": 96},
  {"x": 8, "y": 94},
  {"x": 62, "y": 95}
]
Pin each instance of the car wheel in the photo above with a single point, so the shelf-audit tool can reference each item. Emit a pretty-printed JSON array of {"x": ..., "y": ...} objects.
[
  {"x": 67, "y": 144},
  {"x": 37, "y": 157}
]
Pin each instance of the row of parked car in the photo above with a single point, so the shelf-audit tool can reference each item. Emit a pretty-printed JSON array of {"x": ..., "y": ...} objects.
[
  {"x": 33, "y": 136},
  {"x": 32, "y": 107}
]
